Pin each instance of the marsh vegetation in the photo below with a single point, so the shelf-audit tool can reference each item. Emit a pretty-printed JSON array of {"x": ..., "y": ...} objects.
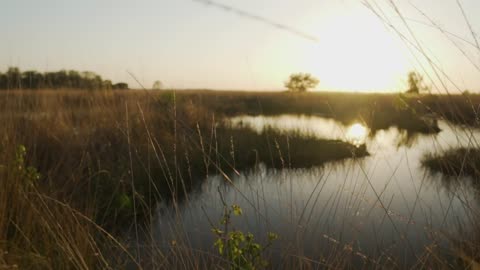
[{"x": 109, "y": 179}]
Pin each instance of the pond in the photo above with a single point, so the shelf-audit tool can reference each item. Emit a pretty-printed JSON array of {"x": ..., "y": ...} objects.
[
  {"x": 382, "y": 209},
  {"x": 318, "y": 127}
]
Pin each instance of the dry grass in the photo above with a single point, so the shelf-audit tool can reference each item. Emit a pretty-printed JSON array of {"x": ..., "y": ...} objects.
[{"x": 107, "y": 158}]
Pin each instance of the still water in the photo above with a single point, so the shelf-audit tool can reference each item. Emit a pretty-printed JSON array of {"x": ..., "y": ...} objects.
[{"x": 384, "y": 208}]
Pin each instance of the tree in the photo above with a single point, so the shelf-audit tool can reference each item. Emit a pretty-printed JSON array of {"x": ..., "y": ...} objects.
[
  {"x": 14, "y": 78},
  {"x": 120, "y": 86},
  {"x": 415, "y": 83},
  {"x": 31, "y": 79},
  {"x": 3, "y": 81},
  {"x": 157, "y": 85},
  {"x": 107, "y": 85},
  {"x": 301, "y": 82}
]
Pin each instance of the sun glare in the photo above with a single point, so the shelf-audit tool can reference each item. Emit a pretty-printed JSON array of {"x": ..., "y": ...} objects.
[
  {"x": 357, "y": 52},
  {"x": 357, "y": 134}
]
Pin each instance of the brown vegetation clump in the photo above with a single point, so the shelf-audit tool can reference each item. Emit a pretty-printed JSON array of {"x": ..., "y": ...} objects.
[{"x": 455, "y": 162}]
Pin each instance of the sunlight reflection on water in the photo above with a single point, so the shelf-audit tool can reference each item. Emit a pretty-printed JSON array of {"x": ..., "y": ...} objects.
[
  {"x": 317, "y": 127},
  {"x": 357, "y": 134}
]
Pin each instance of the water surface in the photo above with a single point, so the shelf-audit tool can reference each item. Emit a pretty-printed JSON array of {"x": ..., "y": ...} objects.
[{"x": 380, "y": 207}]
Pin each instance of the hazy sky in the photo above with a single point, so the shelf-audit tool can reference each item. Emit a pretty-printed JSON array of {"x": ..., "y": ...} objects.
[{"x": 189, "y": 44}]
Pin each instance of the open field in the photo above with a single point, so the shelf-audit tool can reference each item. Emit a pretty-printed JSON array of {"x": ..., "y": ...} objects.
[{"x": 78, "y": 167}]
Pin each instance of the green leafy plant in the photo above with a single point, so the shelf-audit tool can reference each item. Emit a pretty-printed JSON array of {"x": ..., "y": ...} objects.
[
  {"x": 28, "y": 174},
  {"x": 239, "y": 248}
]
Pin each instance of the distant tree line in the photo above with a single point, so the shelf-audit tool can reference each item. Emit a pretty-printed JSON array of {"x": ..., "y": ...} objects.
[{"x": 15, "y": 79}]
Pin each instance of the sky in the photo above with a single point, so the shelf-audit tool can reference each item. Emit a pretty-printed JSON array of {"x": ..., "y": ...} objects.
[{"x": 349, "y": 45}]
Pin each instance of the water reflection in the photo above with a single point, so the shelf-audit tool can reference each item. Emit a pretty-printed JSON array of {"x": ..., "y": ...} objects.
[
  {"x": 325, "y": 128},
  {"x": 395, "y": 137},
  {"x": 311, "y": 126},
  {"x": 382, "y": 204}
]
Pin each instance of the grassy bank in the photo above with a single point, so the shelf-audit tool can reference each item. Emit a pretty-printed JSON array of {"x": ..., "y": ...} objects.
[{"x": 455, "y": 162}]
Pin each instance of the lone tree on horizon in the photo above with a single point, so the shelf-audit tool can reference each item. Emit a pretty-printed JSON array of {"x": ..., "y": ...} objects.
[
  {"x": 415, "y": 83},
  {"x": 157, "y": 85},
  {"x": 301, "y": 82}
]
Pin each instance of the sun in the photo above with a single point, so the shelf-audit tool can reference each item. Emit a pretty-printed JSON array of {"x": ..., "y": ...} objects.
[{"x": 357, "y": 52}]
